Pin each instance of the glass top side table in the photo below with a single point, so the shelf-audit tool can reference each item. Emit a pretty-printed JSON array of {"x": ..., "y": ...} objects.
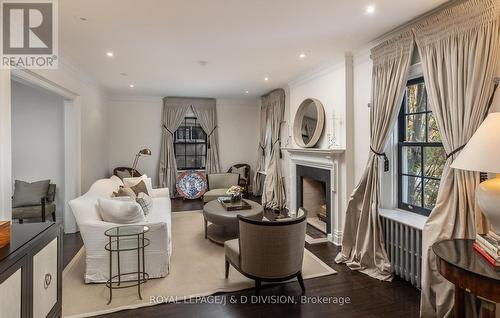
[{"x": 124, "y": 239}]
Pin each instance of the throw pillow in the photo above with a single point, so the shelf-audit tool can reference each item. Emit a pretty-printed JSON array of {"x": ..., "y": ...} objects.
[
  {"x": 130, "y": 182},
  {"x": 240, "y": 171},
  {"x": 26, "y": 193},
  {"x": 122, "y": 174},
  {"x": 140, "y": 187},
  {"x": 124, "y": 192},
  {"x": 145, "y": 201},
  {"x": 121, "y": 212}
]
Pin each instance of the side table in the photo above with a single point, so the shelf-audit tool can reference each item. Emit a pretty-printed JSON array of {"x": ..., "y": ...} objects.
[
  {"x": 123, "y": 239},
  {"x": 461, "y": 265}
]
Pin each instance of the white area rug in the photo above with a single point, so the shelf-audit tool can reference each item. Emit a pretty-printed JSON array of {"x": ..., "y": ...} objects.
[{"x": 196, "y": 269}]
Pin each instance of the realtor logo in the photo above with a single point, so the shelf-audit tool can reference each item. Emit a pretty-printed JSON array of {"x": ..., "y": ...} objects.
[{"x": 29, "y": 34}]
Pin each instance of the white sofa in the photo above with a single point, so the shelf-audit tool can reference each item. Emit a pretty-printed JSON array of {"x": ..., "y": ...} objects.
[{"x": 92, "y": 228}]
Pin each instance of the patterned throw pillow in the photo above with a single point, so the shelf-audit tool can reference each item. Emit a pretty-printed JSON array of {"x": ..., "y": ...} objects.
[
  {"x": 140, "y": 187},
  {"x": 145, "y": 201},
  {"x": 125, "y": 192}
]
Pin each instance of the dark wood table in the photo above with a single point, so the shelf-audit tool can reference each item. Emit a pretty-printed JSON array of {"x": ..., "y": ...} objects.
[{"x": 460, "y": 264}]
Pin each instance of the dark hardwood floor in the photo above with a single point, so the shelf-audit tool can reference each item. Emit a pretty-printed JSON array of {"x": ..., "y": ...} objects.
[{"x": 368, "y": 297}]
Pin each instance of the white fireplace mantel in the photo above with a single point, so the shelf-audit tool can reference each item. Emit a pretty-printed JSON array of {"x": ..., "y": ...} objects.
[{"x": 326, "y": 159}]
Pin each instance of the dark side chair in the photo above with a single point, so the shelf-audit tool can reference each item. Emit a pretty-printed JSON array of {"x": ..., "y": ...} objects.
[
  {"x": 126, "y": 172},
  {"x": 244, "y": 180},
  {"x": 46, "y": 208},
  {"x": 268, "y": 251}
]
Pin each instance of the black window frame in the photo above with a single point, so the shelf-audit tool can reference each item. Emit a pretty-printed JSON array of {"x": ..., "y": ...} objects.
[
  {"x": 184, "y": 142},
  {"x": 403, "y": 143}
]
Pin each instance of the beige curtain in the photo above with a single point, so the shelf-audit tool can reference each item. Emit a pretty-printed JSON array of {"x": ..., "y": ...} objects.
[
  {"x": 261, "y": 159},
  {"x": 459, "y": 48},
  {"x": 362, "y": 243},
  {"x": 273, "y": 196},
  {"x": 206, "y": 113},
  {"x": 174, "y": 111}
]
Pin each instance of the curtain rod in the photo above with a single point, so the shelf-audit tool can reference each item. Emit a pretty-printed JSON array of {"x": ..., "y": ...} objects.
[{"x": 420, "y": 18}]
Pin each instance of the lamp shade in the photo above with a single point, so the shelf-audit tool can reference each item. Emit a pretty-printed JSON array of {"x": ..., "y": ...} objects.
[
  {"x": 482, "y": 151},
  {"x": 145, "y": 152}
]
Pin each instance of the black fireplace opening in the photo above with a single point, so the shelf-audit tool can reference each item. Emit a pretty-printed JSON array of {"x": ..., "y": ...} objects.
[{"x": 313, "y": 194}]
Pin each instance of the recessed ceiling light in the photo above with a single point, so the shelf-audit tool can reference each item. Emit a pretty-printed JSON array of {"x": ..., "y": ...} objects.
[
  {"x": 123, "y": 74},
  {"x": 83, "y": 18},
  {"x": 370, "y": 9},
  {"x": 131, "y": 86},
  {"x": 110, "y": 54},
  {"x": 246, "y": 92},
  {"x": 266, "y": 79},
  {"x": 302, "y": 55}
]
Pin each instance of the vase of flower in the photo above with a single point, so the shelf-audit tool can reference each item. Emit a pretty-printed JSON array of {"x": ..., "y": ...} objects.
[{"x": 236, "y": 193}]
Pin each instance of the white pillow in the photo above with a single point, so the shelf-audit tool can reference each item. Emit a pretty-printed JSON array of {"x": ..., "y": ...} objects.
[
  {"x": 120, "y": 211},
  {"x": 130, "y": 182}
]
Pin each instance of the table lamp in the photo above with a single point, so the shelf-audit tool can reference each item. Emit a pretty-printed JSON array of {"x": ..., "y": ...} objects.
[
  {"x": 482, "y": 154},
  {"x": 145, "y": 152}
]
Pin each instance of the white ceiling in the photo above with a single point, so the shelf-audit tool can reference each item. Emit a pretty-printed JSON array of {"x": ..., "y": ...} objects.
[{"x": 159, "y": 43}]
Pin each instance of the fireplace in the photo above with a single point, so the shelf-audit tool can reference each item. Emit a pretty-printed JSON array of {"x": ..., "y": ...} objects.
[{"x": 313, "y": 186}]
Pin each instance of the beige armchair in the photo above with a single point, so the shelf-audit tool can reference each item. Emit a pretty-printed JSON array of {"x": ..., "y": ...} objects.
[
  {"x": 268, "y": 251},
  {"x": 218, "y": 183}
]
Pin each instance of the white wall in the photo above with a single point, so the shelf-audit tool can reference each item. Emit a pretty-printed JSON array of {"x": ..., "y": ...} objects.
[
  {"x": 89, "y": 127},
  {"x": 38, "y": 138},
  {"x": 135, "y": 123}
]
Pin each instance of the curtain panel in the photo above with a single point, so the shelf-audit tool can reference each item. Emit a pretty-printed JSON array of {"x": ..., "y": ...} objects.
[
  {"x": 174, "y": 111},
  {"x": 206, "y": 113},
  {"x": 273, "y": 195},
  {"x": 363, "y": 243},
  {"x": 459, "y": 48},
  {"x": 261, "y": 157}
]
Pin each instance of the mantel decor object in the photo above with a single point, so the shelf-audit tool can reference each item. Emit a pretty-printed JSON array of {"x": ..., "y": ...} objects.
[{"x": 309, "y": 123}]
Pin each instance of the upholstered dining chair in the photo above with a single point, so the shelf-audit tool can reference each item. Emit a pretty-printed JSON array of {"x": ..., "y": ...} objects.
[{"x": 268, "y": 251}]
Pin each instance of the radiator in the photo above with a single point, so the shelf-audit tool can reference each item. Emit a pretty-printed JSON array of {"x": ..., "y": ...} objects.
[{"x": 403, "y": 244}]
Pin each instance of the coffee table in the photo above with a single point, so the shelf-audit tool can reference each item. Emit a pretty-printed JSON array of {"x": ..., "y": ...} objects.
[{"x": 224, "y": 224}]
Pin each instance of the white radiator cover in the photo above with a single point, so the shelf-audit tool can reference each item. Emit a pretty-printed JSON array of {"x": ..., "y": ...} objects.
[{"x": 403, "y": 243}]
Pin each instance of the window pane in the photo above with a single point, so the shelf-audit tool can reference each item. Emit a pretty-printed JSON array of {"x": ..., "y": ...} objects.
[
  {"x": 430, "y": 193},
  {"x": 416, "y": 98},
  {"x": 181, "y": 163},
  {"x": 415, "y": 128},
  {"x": 411, "y": 188},
  {"x": 434, "y": 160},
  {"x": 191, "y": 161},
  {"x": 201, "y": 149},
  {"x": 180, "y": 149},
  {"x": 190, "y": 149},
  {"x": 433, "y": 132},
  {"x": 190, "y": 121},
  {"x": 198, "y": 134},
  {"x": 180, "y": 133},
  {"x": 411, "y": 160},
  {"x": 200, "y": 161}
]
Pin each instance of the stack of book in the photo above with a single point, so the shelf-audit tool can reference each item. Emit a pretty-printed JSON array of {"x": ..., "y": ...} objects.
[{"x": 488, "y": 245}]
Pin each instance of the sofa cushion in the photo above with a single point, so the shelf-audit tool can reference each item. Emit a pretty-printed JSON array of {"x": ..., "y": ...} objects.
[
  {"x": 130, "y": 182},
  {"x": 214, "y": 194},
  {"x": 120, "y": 211},
  {"x": 26, "y": 193},
  {"x": 145, "y": 201},
  {"x": 29, "y": 212},
  {"x": 140, "y": 188}
]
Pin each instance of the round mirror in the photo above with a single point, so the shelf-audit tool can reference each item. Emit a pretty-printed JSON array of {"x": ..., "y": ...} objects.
[{"x": 309, "y": 122}]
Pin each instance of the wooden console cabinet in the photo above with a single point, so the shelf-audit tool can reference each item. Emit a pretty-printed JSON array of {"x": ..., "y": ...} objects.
[{"x": 30, "y": 271}]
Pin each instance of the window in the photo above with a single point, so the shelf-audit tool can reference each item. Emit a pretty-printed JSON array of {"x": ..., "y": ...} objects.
[
  {"x": 190, "y": 143},
  {"x": 420, "y": 152}
]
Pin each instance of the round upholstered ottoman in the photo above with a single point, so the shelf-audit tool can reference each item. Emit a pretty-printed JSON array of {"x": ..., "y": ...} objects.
[{"x": 224, "y": 224}]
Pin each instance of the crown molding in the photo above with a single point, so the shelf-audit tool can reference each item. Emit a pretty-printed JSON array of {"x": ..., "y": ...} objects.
[
  {"x": 134, "y": 98},
  {"x": 319, "y": 71}
]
